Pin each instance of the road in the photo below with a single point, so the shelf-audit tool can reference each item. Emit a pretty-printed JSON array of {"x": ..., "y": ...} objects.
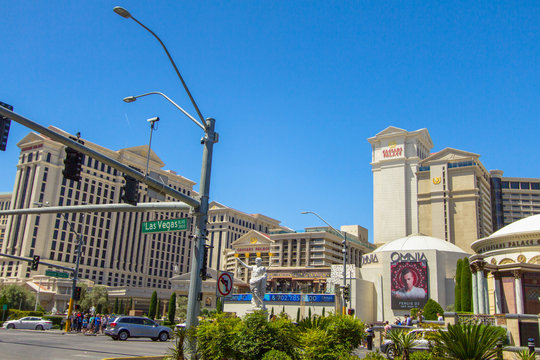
[{"x": 54, "y": 344}]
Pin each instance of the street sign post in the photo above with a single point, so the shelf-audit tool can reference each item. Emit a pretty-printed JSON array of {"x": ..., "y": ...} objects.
[
  {"x": 58, "y": 274},
  {"x": 165, "y": 225},
  {"x": 224, "y": 284}
]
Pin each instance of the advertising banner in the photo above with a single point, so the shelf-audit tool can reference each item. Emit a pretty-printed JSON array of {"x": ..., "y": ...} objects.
[{"x": 409, "y": 285}]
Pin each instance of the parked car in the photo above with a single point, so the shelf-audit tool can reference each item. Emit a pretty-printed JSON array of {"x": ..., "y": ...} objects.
[
  {"x": 124, "y": 327},
  {"x": 29, "y": 322},
  {"x": 422, "y": 344}
]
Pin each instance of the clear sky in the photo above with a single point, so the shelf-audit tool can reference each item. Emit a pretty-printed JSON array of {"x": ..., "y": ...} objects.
[{"x": 296, "y": 88}]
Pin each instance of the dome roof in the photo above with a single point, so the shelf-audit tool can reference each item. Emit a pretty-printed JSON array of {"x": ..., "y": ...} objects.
[
  {"x": 419, "y": 242},
  {"x": 526, "y": 225}
]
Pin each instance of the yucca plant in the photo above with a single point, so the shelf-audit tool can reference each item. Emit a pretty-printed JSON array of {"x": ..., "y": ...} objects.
[
  {"x": 525, "y": 355},
  {"x": 469, "y": 341},
  {"x": 403, "y": 341}
]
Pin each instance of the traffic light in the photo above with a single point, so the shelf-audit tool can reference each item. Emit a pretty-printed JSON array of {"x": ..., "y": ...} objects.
[
  {"x": 346, "y": 293},
  {"x": 204, "y": 267},
  {"x": 77, "y": 294},
  {"x": 130, "y": 190},
  {"x": 5, "y": 124},
  {"x": 35, "y": 263},
  {"x": 73, "y": 164}
]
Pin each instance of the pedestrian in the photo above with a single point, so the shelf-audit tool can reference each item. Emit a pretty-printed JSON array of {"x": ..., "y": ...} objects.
[
  {"x": 440, "y": 317},
  {"x": 97, "y": 323},
  {"x": 370, "y": 334},
  {"x": 85, "y": 324},
  {"x": 387, "y": 327},
  {"x": 408, "y": 320}
]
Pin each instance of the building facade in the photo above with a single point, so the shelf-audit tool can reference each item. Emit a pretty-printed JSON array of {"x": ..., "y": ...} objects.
[
  {"x": 5, "y": 203},
  {"x": 396, "y": 154},
  {"x": 115, "y": 252},
  {"x": 296, "y": 253},
  {"x": 454, "y": 197},
  {"x": 513, "y": 198}
]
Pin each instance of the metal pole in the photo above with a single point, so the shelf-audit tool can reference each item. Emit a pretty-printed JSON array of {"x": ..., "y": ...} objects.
[
  {"x": 195, "y": 284},
  {"x": 152, "y": 122},
  {"x": 344, "y": 251},
  {"x": 75, "y": 279},
  {"x": 161, "y": 206}
]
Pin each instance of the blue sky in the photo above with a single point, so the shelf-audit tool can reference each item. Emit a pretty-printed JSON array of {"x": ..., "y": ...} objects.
[{"x": 296, "y": 88}]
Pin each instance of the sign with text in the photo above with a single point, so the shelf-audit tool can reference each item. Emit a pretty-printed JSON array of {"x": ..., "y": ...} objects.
[
  {"x": 323, "y": 298},
  {"x": 165, "y": 225},
  {"x": 409, "y": 285},
  {"x": 58, "y": 274}
]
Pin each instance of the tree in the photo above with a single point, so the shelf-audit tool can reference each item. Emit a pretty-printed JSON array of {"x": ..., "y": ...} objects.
[
  {"x": 466, "y": 286},
  {"x": 469, "y": 341},
  {"x": 457, "y": 286},
  {"x": 121, "y": 309},
  {"x": 116, "y": 308},
  {"x": 96, "y": 297},
  {"x": 181, "y": 307},
  {"x": 130, "y": 304},
  {"x": 172, "y": 308},
  {"x": 431, "y": 309},
  {"x": 17, "y": 297},
  {"x": 153, "y": 306}
]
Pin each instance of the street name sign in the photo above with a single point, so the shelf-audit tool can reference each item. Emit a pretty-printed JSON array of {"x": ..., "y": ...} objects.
[
  {"x": 165, "y": 225},
  {"x": 58, "y": 274}
]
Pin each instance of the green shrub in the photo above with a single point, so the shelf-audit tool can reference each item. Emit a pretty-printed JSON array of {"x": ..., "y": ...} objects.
[
  {"x": 457, "y": 286},
  {"x": 431, "y": 309},
  {"x": 374, "y": 355},
  {"x": 346, "y": 331},
  {"x": 466, "y": 286},
  {"x": 414, "y": 312},
  {"x": 217, "y": 337},
  {"x": 15, "y": 314},
  {"x": 421, "y": 355},
  {"x": 258, "y": 336},
  {"x": 276, "y": 355}
]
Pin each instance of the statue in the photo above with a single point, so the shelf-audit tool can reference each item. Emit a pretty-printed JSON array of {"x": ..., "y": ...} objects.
[{"x": 257, "y": 283}]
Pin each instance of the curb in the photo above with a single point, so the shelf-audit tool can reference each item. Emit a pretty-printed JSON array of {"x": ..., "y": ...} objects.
[{"x": 160, "y": 357}]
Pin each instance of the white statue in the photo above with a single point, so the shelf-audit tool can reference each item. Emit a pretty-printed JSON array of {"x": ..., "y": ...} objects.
[{"x": 257, "y": 283}]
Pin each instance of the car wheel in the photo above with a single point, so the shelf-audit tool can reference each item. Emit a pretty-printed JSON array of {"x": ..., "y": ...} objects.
[
  {"x": 123, "y": 335},
  {"x": 163, "y": 336},
  {"x": 391, "y": 352},
  {"x": 11, "y": 326},
  {"x": 39, "y": 327}
]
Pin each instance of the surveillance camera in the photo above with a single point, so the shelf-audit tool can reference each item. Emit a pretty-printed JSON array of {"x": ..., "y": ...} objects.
[{"x": 154, "y": 119}]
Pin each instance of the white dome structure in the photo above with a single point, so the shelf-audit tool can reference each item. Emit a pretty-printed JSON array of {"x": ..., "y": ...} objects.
[
  {"x": 428, "y": 262},
  {"x": 419, "y": 242}
]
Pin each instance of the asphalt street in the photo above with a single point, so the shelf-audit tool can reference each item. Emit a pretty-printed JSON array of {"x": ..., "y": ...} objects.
[{"x": 54, "y": 344}]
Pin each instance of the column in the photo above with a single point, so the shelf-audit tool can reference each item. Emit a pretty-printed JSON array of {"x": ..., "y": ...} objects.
[
  {"x": 497, "y": 292},
  {"x": 486, "y": 291},
  {"x": 480, "y": 294},
  {"x": 474, "y": 290},
  {"x": 519, "y": 291}
]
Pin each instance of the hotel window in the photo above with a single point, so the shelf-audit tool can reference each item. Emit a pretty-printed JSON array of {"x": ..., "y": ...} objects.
[
  {"x": 525, "y": 185},
  {"x": 514, "y": 185}
]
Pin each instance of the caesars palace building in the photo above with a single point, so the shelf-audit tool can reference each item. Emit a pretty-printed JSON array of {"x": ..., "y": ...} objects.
[{"x": 115, "y": 252}]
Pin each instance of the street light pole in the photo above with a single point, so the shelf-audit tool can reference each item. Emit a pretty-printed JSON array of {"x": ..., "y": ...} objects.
[
  {"x": 343, "y": 250},
  {"x": 201, "y": 211}
]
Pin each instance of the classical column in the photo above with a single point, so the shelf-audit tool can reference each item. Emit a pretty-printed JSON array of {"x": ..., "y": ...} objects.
[
  {"x": 486, "y": 291},
  {"x": 519, "y": 291},
  {"x": 474, "y": 289},
  {"x": 480, "y": 294},
  {"x": 497, "y": 292}
]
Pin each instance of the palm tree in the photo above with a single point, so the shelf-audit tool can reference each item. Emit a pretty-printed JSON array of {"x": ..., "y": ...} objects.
[
  {"x": 403, "y": 341},
  {"x": 469, "y": 341}
]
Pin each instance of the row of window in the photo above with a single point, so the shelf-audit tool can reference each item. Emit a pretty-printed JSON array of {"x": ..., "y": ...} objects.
[{"x": 523, "y": 185}]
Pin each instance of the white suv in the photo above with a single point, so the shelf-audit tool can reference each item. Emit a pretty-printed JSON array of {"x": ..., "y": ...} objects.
[{"x": 124, "y": 327}]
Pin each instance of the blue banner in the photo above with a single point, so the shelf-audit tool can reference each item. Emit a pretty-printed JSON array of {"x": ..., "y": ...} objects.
[{"x": 323, "y": 298}]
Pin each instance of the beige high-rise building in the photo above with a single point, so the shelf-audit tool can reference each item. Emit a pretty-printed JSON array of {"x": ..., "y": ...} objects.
[
  {"x": 315, "y": 247},
  {"x": 454, "y": 197},
  {"x": 396, "y": 154},
  {"x": 226, "y": 225},
  {"x": 5, "y": 202},
  {"x": 115, "y": 252}
]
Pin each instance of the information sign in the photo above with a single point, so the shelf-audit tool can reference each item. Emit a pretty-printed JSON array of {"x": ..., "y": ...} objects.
[
  {"x": 165, "y": 225},
  {"x": 225, "y": 284}
]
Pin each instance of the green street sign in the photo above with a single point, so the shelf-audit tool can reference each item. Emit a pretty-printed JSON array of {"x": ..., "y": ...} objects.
[
  {"x": 58, "y": 274},
  {"x": 165, "y": 225}
]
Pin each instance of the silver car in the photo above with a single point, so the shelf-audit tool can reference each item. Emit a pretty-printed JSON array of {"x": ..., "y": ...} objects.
[
  {"x": 29, "y": 322},
  {"x": 124, "y": 327}
]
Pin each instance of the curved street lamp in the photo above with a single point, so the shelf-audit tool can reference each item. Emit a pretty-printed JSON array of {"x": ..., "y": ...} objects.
[
  {"x": 200, "y": 213},
  {"x": 343, "y": 250}
]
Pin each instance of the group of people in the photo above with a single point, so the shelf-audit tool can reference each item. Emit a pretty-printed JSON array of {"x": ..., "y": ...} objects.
[{"x": 89, "y": 323}]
